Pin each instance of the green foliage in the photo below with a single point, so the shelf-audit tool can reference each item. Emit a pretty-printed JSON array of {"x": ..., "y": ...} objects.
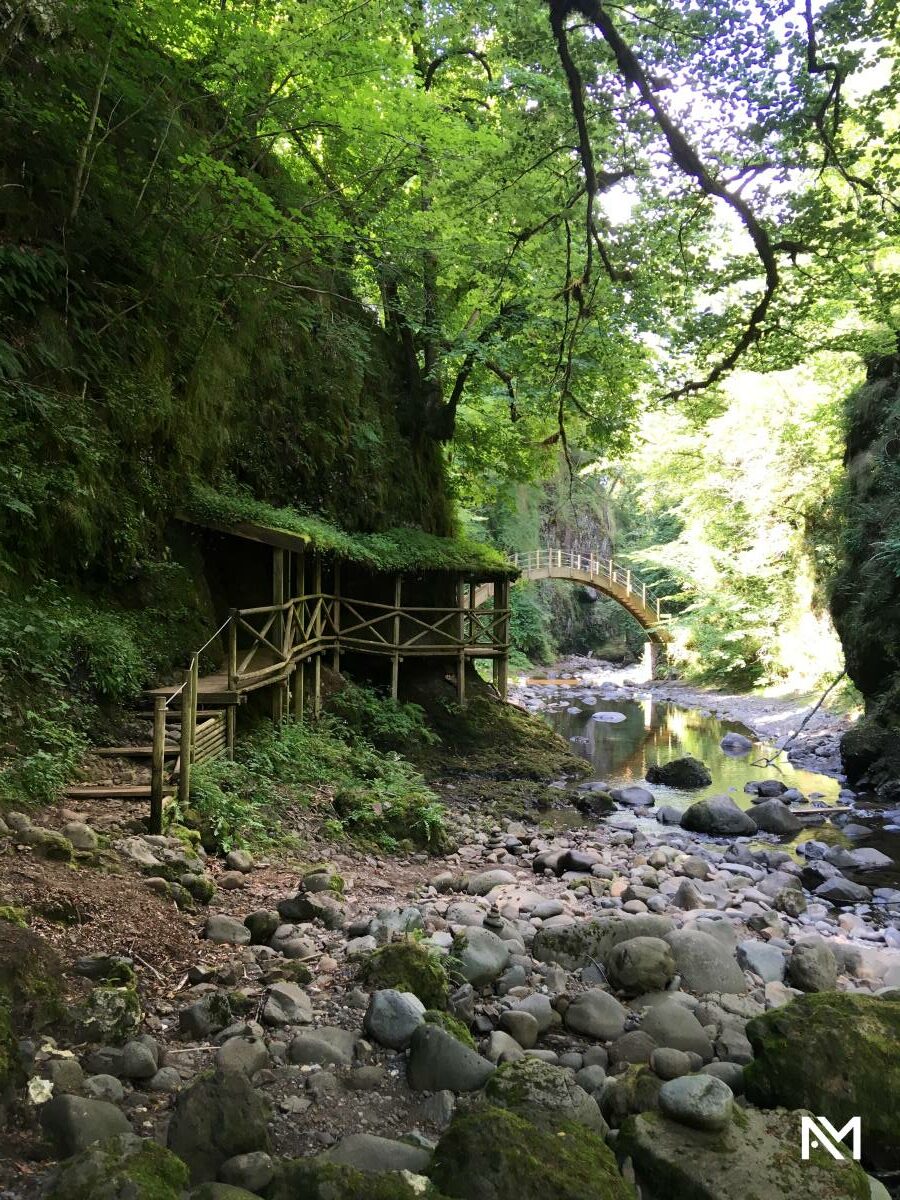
[
  {"x": 376, "y": 798},
  {"x": 384, "y": 722}
]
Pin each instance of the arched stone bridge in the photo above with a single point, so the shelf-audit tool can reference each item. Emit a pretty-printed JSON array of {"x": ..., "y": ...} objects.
[{"x": 602, "y": 574}]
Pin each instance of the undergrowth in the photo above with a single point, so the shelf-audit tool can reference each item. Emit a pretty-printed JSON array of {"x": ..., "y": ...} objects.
[{"x": 373, "y": 796}]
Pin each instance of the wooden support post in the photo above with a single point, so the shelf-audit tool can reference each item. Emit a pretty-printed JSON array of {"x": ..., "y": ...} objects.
[
  {"x": 278, "y": 629},
  {"x": 336, "y": 660},
  {"x": 501, "y": 590},
  {"x": 195, "y": 680},
  {"x": 299, "y": 687},
  {"x": 230, "y": 730},
  {"x": 317, "y": 677},
  {"x": 187, "y": 708},
  {"x": 232, "y": 650},
  {"x": 395, "y": 639},
  {"x": 156, "y": 764},
  {"x": 461, "y": 640}
]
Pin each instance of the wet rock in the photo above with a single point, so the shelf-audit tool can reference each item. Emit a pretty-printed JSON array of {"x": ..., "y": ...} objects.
[
  {"x": 718, "y": 816},
  {"x": 596, "y": 1014},
  {"x": 687, "y": 772},
  {"x": 438, "y": 1061},
  {"x": 75, "y": 1122},
  {"x": 735, "y": 744},
  {"x": 774, "y": 817},
  {"x": 701, "y": 1101},
  {"x": 219, "y": 1116},
  {"x": 633, "y": 796},
  {"x": 393, "y": 1017}
]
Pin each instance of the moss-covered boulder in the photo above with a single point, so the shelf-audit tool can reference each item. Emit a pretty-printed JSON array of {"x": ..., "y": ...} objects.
[
  {"x": 543, "y": 1094},
  {"x": 124, "y": 1168},
  {"x": 30, "y": 994},
  {"x": 220, "y": 1115},
  {"x": 757, "y": 1157},
  {"x": 408, "y": 966},
  {"x": 838, "y": 1055},
  {"x": 313, "y": 1179},
  {"x": 491, "y": 1153}
]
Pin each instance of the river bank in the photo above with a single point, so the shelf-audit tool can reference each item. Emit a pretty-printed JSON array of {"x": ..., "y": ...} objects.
[{"x": 624, "y": 977}]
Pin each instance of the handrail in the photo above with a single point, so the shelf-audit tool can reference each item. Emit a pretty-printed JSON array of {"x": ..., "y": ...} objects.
[{"x": 601, "y": 568}]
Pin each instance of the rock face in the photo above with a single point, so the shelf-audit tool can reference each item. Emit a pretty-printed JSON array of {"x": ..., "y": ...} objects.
[
  {"x": 687, "y": 772},
  {"x": 704, "y": 963},
  {"x": 718, "y": 816},
  {"x": 124, "y": 1166},
  {"x": 641, "y": 964},
  {"x": 838, "y": 1055},
  {"x": 493, "y": 1154},
  {"x": 438, "y": 1061},
  {"x": 757, "y": 1155},
  {"x": 543, "y": 1094},
  {"x": 218, "y": 1116}
]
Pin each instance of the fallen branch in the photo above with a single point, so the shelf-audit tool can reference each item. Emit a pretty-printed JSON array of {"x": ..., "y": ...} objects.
[{"x": 767, "y": 762}]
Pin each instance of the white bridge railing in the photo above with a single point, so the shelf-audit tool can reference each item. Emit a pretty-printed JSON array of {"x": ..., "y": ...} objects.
[{"x": 605, "y": 571}]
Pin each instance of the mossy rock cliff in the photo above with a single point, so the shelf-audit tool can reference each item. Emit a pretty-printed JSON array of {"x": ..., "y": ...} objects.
[
  {"x": 493, "y": 1154},
  {"x": 838, "y": 1055}
]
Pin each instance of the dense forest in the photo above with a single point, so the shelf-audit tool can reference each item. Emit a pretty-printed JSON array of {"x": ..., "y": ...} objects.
[{"x": 350, "y": 303}]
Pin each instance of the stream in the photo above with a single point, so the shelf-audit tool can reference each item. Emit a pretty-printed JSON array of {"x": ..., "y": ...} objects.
[{"x": 639, "y": 731}]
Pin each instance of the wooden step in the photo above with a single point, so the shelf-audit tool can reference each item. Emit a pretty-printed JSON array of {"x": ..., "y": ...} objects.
[{"x": 93, "y": 791}]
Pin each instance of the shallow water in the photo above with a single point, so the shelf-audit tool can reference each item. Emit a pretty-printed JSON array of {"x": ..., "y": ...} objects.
[{"x": 658, "y": 731}]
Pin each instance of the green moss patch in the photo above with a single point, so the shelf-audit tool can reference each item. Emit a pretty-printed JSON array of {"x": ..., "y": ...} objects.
[
  {"x": 314, "y": 1180},
  {"x": 30, "y": 993},
  {"x": 407, "y": 966},
  {"x": 124, "y": 1166},
  {"x": 493, "y": 1154},
  {"x": 451, "y": 1025},
  {"x": 838, "y": 1055}
]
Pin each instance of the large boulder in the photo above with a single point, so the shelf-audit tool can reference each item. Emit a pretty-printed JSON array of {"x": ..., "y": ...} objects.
[
  {"x": 772, "y": 816},
  {"x": 543, "y": 1094},
  {"x": 641, "y": 964},
  {"x": 393, "y": 1017},
  {"x": 718, "y": 816},
  {"x": 494, "y": 1154},
  {"x": 838, "y": 1055},
  {"x": 125, "y": 1167},
  {"x": 687, "y": 772},
  {"x": 220, "y": 1115},
  {"x": 372, "y": 1154},
  {"x": 756, "y": 1156},
  {"x": 319, "y": 1179},
  {"x": 408, "y": 966},
  {"x": 705, "y": 963},
  {"x": 73, "y": 1123},
  {"x": 576, "y": 944},
  {"x": 633, "y": 796}
]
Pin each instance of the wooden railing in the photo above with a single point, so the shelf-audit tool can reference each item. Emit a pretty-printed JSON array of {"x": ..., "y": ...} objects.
[{"x": 605, "y": 572}]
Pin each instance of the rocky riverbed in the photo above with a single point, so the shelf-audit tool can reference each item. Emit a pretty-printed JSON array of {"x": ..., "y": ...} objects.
[{"x": 620, "y": 1010}]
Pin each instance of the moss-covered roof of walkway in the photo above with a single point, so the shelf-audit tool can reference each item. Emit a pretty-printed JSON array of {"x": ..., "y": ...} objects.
[{"x": 404, "y": 550}]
